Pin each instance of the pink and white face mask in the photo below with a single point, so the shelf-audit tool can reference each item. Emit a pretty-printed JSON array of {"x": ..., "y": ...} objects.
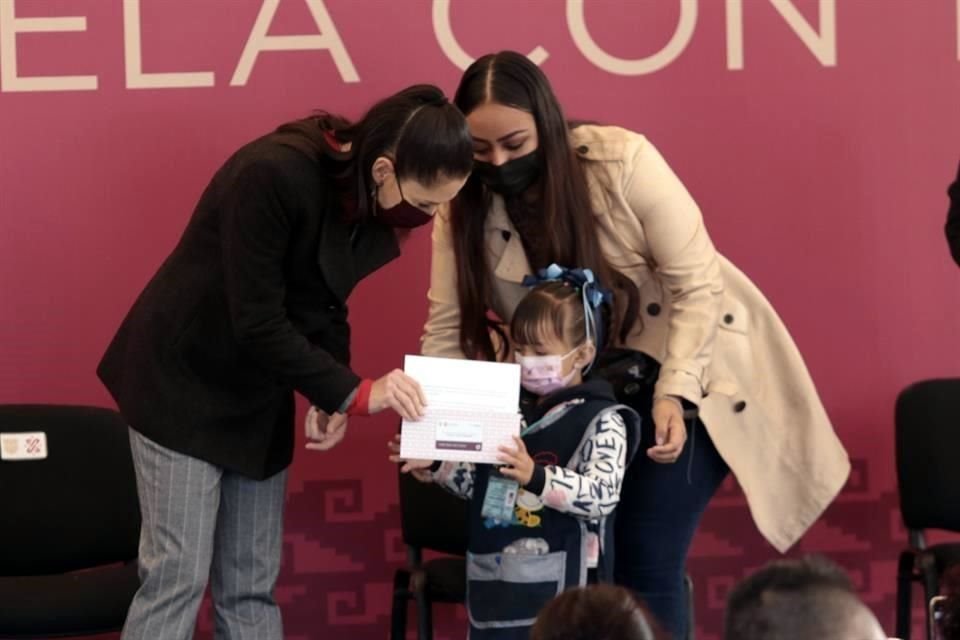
[{"x": 543, "y": 375}]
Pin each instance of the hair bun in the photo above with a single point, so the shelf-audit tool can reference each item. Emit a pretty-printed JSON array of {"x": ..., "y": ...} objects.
[{"x": 438, "y": 100}]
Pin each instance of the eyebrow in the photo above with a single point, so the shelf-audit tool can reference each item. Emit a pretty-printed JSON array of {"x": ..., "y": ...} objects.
[
  {"x": 501, "y": 138},
  {"x": 426, "y": 202},
  {"x": 422, "y": 201},
  {"x": 531, "y": 345}
]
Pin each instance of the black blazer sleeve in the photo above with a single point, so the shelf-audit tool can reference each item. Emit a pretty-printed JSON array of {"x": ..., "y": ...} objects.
[
  {"x": 953, "y": 219},
  {"x": 257, "y": 216}
]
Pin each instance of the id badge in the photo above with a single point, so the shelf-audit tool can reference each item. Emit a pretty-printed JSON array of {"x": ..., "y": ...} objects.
[{"x": 500, "y": 498}]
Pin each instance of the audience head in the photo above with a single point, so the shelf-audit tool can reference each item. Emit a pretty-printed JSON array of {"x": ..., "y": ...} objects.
[
  {"x": 596, "y": 612},
  {"x": 799, "y": 600},
  {"x": 950, "y": 622}
]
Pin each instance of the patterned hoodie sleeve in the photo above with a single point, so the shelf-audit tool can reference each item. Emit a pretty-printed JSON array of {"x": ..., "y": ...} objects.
[
  {"x": 457, "y": 478},
  {"x": 592, "y": 489}
]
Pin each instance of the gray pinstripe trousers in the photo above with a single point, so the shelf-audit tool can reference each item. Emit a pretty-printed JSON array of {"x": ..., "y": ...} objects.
[{"x": 202, "y": 522}]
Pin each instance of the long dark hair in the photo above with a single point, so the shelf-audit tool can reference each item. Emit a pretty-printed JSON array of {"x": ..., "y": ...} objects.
[
  {"x": 563, "y": 202},
  {"x": 425, "y": 135}
]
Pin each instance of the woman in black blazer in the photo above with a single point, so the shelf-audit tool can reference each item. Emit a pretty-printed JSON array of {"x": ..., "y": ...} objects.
[{"x": 249, "y": 307}]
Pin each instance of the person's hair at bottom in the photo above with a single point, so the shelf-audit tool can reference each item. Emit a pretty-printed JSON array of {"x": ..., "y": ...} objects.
[
  {"x": 950, "y": 625},
  {"x": 786, "y": 599},
  {"x": 597, "y": 612}
]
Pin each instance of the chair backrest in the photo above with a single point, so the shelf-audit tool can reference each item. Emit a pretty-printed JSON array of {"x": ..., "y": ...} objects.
[
  {"x": 928, "y": 454},
  {"x": 78, "y": 507},
  {"x": 432, "y": 518}
]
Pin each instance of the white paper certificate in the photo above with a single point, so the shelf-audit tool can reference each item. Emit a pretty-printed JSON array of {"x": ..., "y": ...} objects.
[{"x": 472, "y": 409}]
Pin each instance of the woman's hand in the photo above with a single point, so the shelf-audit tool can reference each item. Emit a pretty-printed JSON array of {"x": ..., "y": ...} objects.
[
  {"x": 671, "y": 431},
  {"x": 520, "y": 464},
  {"x": 419, "y": 469},
  {"x": 324, "y": 431},
  {"x": 399, "y": 392}
]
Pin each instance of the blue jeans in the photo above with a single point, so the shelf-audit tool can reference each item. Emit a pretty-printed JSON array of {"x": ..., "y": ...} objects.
[{"x": 659, "y": 511}]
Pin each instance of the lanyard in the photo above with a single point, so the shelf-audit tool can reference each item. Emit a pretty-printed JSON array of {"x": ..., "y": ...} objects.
[{"x": 551, "y": 416}]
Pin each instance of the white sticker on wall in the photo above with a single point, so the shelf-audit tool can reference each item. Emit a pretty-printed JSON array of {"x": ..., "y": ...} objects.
[{"x": 23, "y": 446}]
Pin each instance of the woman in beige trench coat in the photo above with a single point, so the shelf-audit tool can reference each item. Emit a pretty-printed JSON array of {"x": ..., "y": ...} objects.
[{"x": 603, "y": 197}]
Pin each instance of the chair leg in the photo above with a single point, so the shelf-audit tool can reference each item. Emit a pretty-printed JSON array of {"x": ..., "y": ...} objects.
[
  {"x": 931, "y": 586},
  {"x": 429, "y": 619},
  {"x": 398, "y": 613},
  {"x": 424, "y": 616},
  {"x": 691, "y": 617},
  {"x": 905, "y": 578}
]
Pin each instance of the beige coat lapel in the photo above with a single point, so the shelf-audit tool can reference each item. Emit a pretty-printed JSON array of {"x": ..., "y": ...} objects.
[{"x": 511, "y": 264}]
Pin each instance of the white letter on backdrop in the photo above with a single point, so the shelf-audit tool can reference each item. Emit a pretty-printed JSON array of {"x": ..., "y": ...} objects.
[
  {"x": 10, "y": 26},
  {"x": 448, "y": 42},
  {"x": 133, "y": 58},
  {"x": 823, "y": 45},
  {"x": 621, "y": 66},
  {"x": 328, "y": 38}
]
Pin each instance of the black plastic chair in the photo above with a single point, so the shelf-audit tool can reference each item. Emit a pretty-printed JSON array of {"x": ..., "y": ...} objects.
[
  {"x": 71, "y": 523},
  {"x": 928, "y": 476},
  {"x": 430, "y": 519}
]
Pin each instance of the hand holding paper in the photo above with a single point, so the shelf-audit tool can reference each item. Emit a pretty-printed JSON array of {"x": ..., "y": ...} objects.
[
  {"x": 518, "y": 463},
  {"x": 399, "y": 392}
]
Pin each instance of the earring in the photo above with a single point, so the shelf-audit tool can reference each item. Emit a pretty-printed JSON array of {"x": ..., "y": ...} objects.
[{"x": 374, "y": 203}]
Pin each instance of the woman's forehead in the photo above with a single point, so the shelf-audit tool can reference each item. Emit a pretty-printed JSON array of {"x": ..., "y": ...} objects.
[
  {"x": 444, "y": 189},
  {"x": 491, "y": 121}
]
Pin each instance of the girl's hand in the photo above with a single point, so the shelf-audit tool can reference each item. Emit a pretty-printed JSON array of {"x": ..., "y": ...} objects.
[
  {"x": 419, "y": 469},
  {"x": 519, "y": 463}
]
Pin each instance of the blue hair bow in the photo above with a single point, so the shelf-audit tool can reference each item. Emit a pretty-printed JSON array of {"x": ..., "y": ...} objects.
[{"x": 581, "y": 279}]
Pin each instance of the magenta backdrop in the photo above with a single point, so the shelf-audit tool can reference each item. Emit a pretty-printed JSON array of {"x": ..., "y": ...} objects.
[{"x": 816, "y": 135}]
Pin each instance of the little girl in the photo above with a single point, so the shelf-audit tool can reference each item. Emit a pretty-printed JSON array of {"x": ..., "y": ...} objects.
[{"x": 543, "y": 522}]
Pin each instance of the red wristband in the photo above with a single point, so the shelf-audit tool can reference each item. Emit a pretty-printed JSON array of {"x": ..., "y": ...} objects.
[{"x": 361, "y": 402}]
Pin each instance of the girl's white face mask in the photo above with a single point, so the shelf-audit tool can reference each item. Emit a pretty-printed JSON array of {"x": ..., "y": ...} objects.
[{"x": 543, "y": 375}]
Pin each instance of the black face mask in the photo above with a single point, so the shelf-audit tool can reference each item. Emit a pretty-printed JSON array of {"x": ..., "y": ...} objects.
[{"x": 510, "y": 178}]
